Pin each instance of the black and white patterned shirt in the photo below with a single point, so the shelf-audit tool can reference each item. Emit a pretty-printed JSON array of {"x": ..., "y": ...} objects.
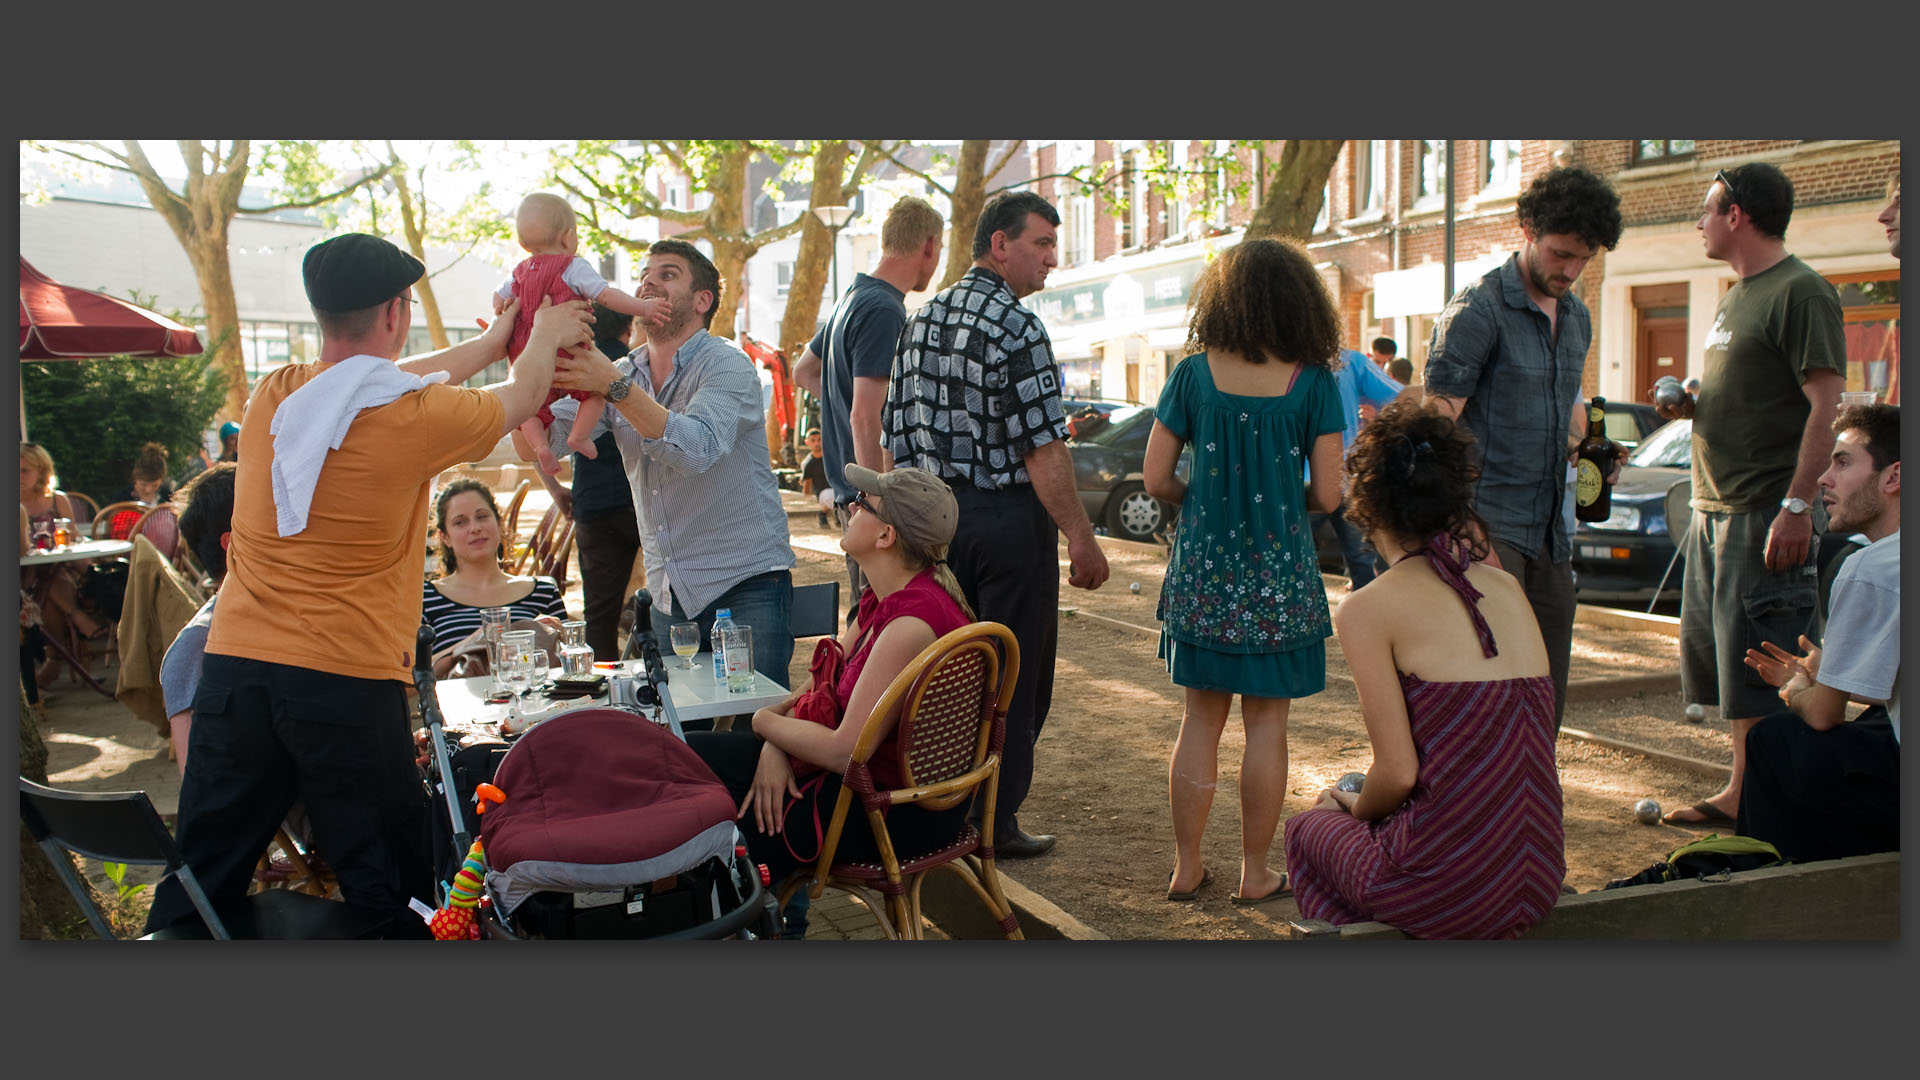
[{"x": 974, "y": 388}]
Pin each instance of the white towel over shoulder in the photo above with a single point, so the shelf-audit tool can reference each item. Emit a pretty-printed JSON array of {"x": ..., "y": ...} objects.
[{"x": 326, "y": 408}]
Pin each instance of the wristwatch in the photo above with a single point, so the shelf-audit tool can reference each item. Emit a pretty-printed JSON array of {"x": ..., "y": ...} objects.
[
  {"x": 1791, "y": 506},
  {"x": 617, "y": 390}
]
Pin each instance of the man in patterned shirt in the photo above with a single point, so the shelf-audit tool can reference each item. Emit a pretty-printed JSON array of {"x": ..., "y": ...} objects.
[{"x": 975, "y": 399}]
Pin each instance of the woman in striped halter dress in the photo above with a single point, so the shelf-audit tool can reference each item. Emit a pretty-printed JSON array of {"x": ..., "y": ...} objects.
[{"x": 1457, "y": 831}]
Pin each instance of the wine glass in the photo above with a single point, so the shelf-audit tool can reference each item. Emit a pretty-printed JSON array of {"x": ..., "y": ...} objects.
[{"x": 686, "y": 642}]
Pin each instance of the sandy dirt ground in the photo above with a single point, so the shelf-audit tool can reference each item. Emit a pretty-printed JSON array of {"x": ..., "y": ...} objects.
[{"x": 1100, "y": 777}]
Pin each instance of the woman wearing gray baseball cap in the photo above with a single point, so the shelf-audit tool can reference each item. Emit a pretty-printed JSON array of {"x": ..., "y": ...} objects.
[{"x": 786, "y": 772}]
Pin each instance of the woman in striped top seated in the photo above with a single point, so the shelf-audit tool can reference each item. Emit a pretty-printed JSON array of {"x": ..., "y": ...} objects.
[
  {"x": 1457, "y": 831},
  {"x": 471, "y": 547}
]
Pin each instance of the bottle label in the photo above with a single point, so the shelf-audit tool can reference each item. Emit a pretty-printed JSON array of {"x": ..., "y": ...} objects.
[{"x": 1587, "y": 482}]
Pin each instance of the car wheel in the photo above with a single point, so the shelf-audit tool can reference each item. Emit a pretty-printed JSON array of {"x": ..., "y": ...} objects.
[{"x": 1133, "y": 514}]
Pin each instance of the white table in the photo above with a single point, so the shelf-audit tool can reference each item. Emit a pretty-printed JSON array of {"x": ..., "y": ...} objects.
[
  {"x": 86, "y": 549},
  {"x": 696, "y": 696}
]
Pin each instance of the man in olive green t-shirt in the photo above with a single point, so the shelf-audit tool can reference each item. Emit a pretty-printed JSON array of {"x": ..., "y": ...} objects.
[{"x": 1762, "y": 432}]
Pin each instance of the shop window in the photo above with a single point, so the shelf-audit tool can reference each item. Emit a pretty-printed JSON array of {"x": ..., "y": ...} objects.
[
  {"x": 1661, "y": 149},
  {"x": 1870, "y": 302},
  {"x": 1500, "y": 169}
]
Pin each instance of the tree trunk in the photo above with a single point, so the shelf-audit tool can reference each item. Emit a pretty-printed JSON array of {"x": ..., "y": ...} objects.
[
  {"x": 726, "y": 230},
  {"x": 969, "y": 196},
  {"x": 414, "y": 227},
  {"x": 45, "y": 904},
  {"x": 1292, "y": 201},
  {"x": 207, "y": 251},
  {"x": 813, "y": 263}
]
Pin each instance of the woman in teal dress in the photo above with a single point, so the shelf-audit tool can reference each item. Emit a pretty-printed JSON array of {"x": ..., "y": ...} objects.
[{"x": 1243, "y": 610}]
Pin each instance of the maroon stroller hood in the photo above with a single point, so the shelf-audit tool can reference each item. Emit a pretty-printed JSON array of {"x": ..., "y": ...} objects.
[{"x": 601, "y": 799}]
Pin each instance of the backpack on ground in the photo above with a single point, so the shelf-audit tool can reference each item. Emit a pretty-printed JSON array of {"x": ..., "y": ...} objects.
[{"x": 1711, "y": 854}]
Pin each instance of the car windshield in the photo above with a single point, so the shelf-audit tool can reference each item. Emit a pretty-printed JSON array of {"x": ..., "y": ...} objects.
[
  {"x": 1670, "y": 446},
  {"x": 1118, "y": 422}
]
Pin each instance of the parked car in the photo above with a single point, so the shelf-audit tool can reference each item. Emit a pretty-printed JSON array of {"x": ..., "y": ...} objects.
[
  {"x": 1623, "y": 557},
  {"x": 1079, "y": 422},
  {"x": 1107, "y": 461},
  {"x": 1630, "y": 421}
]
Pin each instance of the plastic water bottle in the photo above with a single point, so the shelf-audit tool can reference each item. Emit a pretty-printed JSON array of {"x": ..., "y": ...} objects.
[{"x": 722, "y": 622}]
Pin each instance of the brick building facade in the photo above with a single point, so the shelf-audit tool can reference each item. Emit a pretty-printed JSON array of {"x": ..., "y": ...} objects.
[{"x": 1116, "y": 305}]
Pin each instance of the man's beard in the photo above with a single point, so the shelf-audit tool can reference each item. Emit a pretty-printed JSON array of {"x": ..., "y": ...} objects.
[{"x": 1855, "y": 512}]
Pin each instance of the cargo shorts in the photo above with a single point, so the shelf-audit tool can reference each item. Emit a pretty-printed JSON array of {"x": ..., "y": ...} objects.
[{"x": 1730, "y": 602}]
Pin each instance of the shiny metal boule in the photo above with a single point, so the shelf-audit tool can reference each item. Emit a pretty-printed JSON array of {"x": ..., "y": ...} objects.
[
  {"x": 1647, "y": 812},
  {"x": 1352, "y": 781},
  {"x": 1669, "y": 392},
  {"x": 1696, "y": 714},
  {"x": 1134, "y": 588}
]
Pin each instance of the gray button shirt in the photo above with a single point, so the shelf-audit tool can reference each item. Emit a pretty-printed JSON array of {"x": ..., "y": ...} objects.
[
  {"x": 709, "y": 508},
  {"x": 1494, "y": 347}
]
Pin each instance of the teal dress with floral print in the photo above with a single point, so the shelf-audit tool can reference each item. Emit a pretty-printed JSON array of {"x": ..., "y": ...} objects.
[{"x": 1243, "y": 610}]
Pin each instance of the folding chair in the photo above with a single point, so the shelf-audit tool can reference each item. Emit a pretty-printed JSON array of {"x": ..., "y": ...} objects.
[
  {"x": 953, "y": 702},
  {"x": 1679, "y": 511},
  {"x": 123, "y": 827}
]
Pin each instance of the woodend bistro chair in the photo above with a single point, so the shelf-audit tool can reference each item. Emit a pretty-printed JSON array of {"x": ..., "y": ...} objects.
[{"x": 953, "y": 702}]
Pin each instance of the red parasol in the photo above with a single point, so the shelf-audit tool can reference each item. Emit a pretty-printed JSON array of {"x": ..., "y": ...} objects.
[{"x": 60, "y": 322}]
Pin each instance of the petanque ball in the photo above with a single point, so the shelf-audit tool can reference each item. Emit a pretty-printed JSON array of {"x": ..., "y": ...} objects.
[
  {"x": 1353, "y": 781},
  {"x": 1696, "y": 714},
  {"x": 1134, "y": 588},
  {"x": 1647, "y": 812}
]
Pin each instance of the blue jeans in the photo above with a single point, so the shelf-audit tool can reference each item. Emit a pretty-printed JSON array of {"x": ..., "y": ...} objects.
[
  {"x": 1353, "y": 545},
  {"x": 763, "y": 602}
]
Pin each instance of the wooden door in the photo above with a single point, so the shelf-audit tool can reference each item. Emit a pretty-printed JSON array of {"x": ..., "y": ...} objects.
[{"x": 1662, "y": 350}]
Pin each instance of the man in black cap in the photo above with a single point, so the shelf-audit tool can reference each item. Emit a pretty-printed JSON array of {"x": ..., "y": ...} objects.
[{"x": 303, "y": 689}]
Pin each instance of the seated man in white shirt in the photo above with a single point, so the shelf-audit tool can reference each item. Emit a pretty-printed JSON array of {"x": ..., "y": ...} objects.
[{"x": 1819, "y": 786}]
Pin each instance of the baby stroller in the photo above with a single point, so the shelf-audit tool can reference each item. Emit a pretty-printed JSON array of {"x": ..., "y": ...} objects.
[{"x": 610, "y": 826}]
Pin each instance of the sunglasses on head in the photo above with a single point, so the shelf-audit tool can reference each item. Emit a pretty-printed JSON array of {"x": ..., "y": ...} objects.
[{"x": 1733, "y": 193}]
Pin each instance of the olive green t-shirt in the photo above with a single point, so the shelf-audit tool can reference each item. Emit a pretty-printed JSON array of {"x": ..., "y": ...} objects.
[{"x": 1771, "y": 330}]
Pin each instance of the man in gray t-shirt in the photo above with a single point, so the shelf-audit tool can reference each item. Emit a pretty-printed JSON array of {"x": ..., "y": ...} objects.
[
  {"x": 1818, "y": 785},
  {"x": 848, "y": 362}
]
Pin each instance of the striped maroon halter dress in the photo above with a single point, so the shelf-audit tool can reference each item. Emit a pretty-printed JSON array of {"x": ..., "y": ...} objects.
[{"x": 1476, "y": 851}]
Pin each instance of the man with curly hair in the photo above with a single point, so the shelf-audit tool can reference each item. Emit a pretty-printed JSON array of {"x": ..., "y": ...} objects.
[{"x": 1506, "y": 360}]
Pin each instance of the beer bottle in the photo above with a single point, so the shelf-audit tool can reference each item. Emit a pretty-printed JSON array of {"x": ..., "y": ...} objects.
[{"x": 1592, "y": 494}]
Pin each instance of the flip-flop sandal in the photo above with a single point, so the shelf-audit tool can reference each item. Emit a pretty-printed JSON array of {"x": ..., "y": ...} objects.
[
  {"x": 1284, "y": 889},
  {"x": 1710, "y": 816},
  {"x": 1206, "y": 876}
]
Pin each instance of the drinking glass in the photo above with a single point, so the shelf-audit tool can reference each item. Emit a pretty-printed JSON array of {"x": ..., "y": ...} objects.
[
  {"x": 62, "y": 533},
  {"x": 517, "y": 670},
  {"x": 686, "y": 642},
  {"x": 739, "y": 646},
  {"x": 540, "y": 669},
  {"x": 494, "y": 621},
  {"x": 42, "y": 536},
  {"x": 512, "y": 644}
]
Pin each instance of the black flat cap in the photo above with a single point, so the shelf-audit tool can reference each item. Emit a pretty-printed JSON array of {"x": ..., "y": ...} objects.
[{"x": 355, "y": 271}]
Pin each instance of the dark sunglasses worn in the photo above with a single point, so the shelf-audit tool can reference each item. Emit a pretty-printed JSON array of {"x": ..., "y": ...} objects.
[{"x": 860, "y": 500}]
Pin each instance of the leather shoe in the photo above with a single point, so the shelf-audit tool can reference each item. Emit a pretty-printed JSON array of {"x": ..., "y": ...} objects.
[{"x": 1023, "y": 846}]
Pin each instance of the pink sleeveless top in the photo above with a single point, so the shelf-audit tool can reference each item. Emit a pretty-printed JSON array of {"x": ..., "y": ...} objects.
[{"x": 922, "y": 598}]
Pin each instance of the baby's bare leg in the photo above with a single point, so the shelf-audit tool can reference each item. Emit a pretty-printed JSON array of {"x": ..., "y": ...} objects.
[
  {"x": 535, "y": 433},
  {"x": 580, "y": 439}
]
